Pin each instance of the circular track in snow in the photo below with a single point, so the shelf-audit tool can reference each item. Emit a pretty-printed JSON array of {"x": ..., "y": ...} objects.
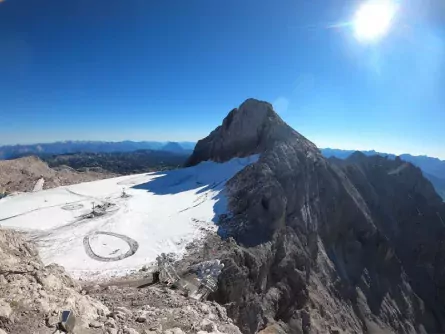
[{"x": 133, "y": 244}]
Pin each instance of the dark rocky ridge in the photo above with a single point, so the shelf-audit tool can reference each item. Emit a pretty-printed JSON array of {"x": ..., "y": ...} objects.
[
  {"x": 252, "y": 128},
  {"x": 324, "y": 246}
]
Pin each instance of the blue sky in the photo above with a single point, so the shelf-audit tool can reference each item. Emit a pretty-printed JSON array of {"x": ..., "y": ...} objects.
[{"x": 171, "y": 70}]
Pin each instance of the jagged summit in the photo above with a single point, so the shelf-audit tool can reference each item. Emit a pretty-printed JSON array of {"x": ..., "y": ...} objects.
[{"x": 251, "y": 128}]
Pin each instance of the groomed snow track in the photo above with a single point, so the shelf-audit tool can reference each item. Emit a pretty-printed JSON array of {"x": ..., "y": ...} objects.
[{"x": 133, "y": 244}]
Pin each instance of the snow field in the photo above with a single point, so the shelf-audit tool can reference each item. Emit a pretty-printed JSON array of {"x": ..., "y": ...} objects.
[{"x": 159, "y": 213}]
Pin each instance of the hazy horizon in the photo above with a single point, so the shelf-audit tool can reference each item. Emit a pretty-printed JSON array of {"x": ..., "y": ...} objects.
[{"x": 346, "y": 148}]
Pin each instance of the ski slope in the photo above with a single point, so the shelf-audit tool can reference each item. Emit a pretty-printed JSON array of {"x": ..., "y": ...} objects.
[{"x": 135, "y": 218}]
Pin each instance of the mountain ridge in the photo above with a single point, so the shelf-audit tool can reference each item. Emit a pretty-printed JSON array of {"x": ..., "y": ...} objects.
[
  {"x": 315, "y": 237},
  {"x": 123, "y": 163},
  {"x": 64, "y": 147},
  {"x": 433, "y": 168},
  {"x": 247, "y": 130},
  {"x": 23, "y": 175}
]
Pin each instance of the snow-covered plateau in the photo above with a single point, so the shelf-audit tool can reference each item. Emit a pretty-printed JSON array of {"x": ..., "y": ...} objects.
[{"x": 111, "y": 227}]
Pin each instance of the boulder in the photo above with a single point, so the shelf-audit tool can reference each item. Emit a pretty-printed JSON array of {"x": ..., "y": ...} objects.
[{"x": 5, "y": 309}]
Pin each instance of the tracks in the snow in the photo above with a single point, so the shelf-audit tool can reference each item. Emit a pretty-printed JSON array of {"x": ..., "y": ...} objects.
[
  {"x": 65, "y": 206},
  {"x": 133, "y": 244}
]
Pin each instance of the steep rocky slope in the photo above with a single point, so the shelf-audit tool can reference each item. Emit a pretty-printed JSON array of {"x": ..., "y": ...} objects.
[
  {"x": 32, "y": 295},
  {"x": 324, "y": 246},
  {"x": 252, "y": 128},
  {"x": 22, "y": 175},
  {"x": 433, "y": 169}
]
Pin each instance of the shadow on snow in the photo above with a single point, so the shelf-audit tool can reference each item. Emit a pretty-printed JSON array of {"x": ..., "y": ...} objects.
[
  {"x": 206, "y": 179},
  {"x": 187, "y": 179}
]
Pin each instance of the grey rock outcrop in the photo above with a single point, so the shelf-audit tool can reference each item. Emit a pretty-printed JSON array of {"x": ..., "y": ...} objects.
[
  {"x": 324, "y": 247},
  {"x": 32, "y": 295},
  {"x": 158, "y": 309},
  {"x": 23, "y": 174},
  {"x": 252, "y": 128}
]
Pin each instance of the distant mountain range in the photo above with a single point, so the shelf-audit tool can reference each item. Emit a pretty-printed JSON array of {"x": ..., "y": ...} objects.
[
  {"x": 16, "y": 151},
  {"x": 433, "y": 169},
  {"x": 134, "y": 162}
]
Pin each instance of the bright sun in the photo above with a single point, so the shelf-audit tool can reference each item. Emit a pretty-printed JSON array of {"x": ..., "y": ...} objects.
[{"x": 373, "y": 19}]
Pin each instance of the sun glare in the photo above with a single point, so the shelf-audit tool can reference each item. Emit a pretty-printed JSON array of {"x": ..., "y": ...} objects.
[{"x": 373, "y": 19}]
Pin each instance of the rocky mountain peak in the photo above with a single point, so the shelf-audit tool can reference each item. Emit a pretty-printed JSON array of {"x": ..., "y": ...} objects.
[
  {"x": 253, "y": 127},
  {"x": 325, "y": 246}
]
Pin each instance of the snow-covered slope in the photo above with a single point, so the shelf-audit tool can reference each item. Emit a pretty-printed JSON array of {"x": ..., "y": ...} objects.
[{"x": 135, "y": 218}]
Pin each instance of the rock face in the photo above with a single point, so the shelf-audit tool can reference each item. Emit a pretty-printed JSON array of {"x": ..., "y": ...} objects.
[
  {"x": 160, "y": 310},
  {"x": 24, "y": 174},
  {"x": 252, "y": 128},
  {"x": 31, "y": 295},
  {"x": 325, "y": 246}
]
